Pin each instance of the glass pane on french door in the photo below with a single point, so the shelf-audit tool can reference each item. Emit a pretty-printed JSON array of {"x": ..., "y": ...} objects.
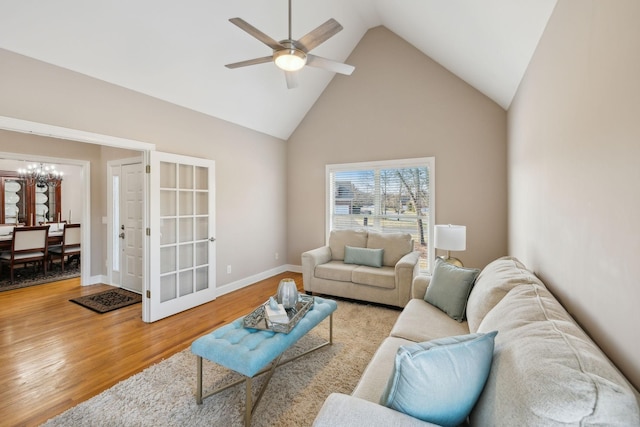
[{"x": 182, "y": 219}]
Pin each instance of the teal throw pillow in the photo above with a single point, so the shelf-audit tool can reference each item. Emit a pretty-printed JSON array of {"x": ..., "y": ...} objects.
[
  {"x": 450, "y": 287},
  {"x": 440, "y": 381},
  {"x": 363, "y": 256}
]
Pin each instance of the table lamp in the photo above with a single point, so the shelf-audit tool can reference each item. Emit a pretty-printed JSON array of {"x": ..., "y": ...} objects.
[{"x": 450, "y": 238}]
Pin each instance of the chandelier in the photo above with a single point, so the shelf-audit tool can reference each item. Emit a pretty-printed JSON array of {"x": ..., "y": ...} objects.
[{"x": 41, "y": 174}]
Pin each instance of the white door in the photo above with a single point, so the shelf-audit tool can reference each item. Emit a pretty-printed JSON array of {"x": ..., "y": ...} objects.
[
  {"x": 181, "y": 234},
  {"x": 125, "y": 228},
  {"x": 131, "y": 227}
]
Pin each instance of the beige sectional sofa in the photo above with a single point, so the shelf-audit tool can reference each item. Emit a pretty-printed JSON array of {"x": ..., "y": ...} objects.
[
  {"x": 326, "y": 270},
  {"x": 545, "y": 370}
]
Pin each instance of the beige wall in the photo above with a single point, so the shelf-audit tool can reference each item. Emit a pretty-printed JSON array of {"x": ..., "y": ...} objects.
[
  {"x": 574, "y": 147},
  {"x": 400, "y": 104},
  {"x": 250, "y": 166}
]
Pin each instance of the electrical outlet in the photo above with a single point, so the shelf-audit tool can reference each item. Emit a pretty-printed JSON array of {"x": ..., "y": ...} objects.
[
  {"x": 277, "y": 255},
  {"x": 228, "y": 269}
]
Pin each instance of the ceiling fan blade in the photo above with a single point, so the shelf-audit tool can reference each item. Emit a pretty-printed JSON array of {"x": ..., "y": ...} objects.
[
  {"x": 292, "y": 79},
  {"x": 320, "y": 35},
  {"x": 329, "y": 65},
  {"x": 250, "y": 62},
  {"x": 244, "y": 25}
]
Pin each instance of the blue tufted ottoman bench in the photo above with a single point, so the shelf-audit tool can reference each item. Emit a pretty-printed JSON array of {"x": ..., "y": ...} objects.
[{"x": 252, "y": 352}]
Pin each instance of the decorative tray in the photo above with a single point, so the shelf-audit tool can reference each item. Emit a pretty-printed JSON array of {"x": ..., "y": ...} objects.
[{"x": 258, "y": 320}]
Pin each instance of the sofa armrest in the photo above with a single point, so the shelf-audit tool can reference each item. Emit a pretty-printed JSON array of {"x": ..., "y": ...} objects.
[
  {"x": 344, "y": 410},
  {"x": 310, "y": 259},
  {"x": 406, "y": 269},
  {"x": 420, "y": 285}
]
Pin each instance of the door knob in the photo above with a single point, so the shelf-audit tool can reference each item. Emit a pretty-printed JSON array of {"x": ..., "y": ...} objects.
[
  {"x": 212, "y": 239},
  {"x": 121, "y": 235}
]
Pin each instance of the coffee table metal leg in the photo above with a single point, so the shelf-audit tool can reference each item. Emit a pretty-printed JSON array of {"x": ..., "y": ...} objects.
[
  {"x": 331, "y": 328},
  {"x": 248, "y": 411},
  {"x": 276, "y": 363},
  {"x": 199, "y": 381}
]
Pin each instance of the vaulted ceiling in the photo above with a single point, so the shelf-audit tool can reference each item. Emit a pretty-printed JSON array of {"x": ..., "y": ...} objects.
[{"x": 176, "y": 51}]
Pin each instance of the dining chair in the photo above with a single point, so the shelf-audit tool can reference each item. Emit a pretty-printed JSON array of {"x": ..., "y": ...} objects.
[
  {"x": 28, "y": 244},
  {"x": 54, "y": 225},
  {"x": 53, "y": 222},
  {"x": 71, "y": 239}
]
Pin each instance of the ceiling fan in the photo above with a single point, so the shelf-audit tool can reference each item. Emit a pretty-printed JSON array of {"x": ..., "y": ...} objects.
[{"x": 292, "y": 55}]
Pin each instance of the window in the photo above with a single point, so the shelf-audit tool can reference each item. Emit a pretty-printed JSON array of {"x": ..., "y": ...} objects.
[{"x": 388, "y": 196}]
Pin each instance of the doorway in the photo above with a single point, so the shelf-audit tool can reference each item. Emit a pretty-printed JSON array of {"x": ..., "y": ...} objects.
[
  {"x": 125, "y": 224},
  {"x": 74, "y": 196}
]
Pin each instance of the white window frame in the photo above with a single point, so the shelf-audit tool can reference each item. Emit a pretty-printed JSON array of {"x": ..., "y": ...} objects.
[{"x": 428, "y": 162}]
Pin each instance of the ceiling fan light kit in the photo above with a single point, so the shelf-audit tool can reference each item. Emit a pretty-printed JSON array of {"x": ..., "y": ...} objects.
[
  {"x": 292, "y": 55},
  {"x": 290, "y": 59}
]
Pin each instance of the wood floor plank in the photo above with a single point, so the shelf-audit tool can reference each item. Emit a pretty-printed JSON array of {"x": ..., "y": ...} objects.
[{"x": 55, "y": 354}]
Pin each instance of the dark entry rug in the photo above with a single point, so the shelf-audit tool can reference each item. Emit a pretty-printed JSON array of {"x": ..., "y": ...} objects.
[
  {"x": 105, "y": 301},
  {"x": 32, "y": 275}
]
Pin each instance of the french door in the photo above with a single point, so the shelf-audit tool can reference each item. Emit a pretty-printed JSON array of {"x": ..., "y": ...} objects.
[{"x": 181, "y": 234}]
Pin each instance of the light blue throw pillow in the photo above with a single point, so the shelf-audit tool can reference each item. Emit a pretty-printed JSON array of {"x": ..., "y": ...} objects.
[
  {"x": 440, "y": 381},
  {"x": 363, "y": 256}
]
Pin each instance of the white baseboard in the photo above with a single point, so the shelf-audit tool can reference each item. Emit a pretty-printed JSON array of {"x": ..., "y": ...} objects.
[
  {"x": 94, "y": 280},
  {"x": 294, "y": 268},
  {"x": 242, "y": 283}
]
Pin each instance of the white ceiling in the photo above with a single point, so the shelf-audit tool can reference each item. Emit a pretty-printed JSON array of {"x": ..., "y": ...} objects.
[{"x": 176, "y": 51}]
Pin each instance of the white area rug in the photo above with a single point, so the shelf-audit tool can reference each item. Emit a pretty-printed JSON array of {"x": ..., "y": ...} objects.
[{"x": 164, "y": 394}]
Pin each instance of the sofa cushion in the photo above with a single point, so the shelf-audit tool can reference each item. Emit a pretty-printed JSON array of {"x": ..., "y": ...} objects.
[
  {"x": 376, "y": 375},
  {"x": 395, "y": 245},
  {"x": 439, "y": 381},
  {"x": 348, "y": 411},
  {"x": 338, "y": 239},
  {"x": 450, "y": 287},
  {"x": 492, "y": 284},
  {"x": 335, "y": 270},
  {"x": 363, "y": 256},
  {"x": 384, "y": 277},
  {"x": 420, "y": 321},
  {"x": 546, "y": 370}
]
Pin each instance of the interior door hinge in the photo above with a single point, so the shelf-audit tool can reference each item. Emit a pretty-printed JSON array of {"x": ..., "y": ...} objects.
[
  {"x": 148, "y": 231},
  {"x": 149, "y": 294},
  {"x": 148, "y": 169}
]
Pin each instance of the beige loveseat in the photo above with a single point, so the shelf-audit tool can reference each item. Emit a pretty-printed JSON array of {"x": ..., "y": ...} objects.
[
  {"x": 325, "y": 271},
  {"x": 545, "y": 370}
]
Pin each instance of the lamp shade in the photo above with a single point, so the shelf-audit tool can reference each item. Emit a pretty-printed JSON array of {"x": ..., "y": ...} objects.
[{"x": 450, "y": 237}]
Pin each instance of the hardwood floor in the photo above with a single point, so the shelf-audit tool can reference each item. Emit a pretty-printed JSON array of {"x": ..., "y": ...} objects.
[{"x": 55, "y": 354}]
